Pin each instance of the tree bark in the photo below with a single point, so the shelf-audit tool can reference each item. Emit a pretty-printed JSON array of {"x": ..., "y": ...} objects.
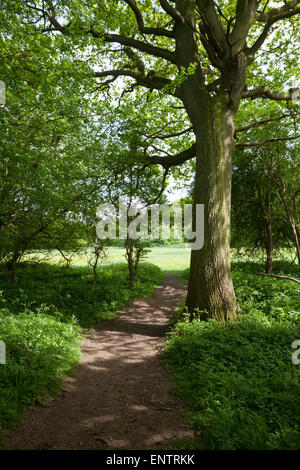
[
  {"x": 296, "y": 238},
  {"x": 269, "y": 247},
  {"x": 210, "y": 289},
  {"x": 269, "y": 234},
  {"x": 289, "y": 216},
  {"x": 14, "y": 272}
]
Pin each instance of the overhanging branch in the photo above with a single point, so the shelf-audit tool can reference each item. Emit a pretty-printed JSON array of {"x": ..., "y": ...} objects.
[
  {"x": 173, "y": 160},
  {"x": 168, "y": 136},
  {"x": 270, "y": 18},
  {"x": 261, "y": 123},
  {"x": 265, "y": 92},
  {"x": 117, "y": 38},
  {"x": 276, "y": 14},
  {"x": 145, "y": 29},
  {"x": 276, "y": 276},
  {"x": 141, "y": 46},
  {"x": 155, "y": 82},
  {"x": 171, "y": 11},
  {"x": 262, "y": 142}
]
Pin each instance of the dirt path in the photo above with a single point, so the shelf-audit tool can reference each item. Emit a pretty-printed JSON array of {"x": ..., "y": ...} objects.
[{"x": 121, "y": 396}]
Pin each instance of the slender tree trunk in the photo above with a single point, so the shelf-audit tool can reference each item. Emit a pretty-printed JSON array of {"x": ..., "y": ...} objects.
[
  {"x": 289, "y": 216},
  {"x": 269, "y": 234},
  {"x": 12, "y": 266},
  {"x": 296, "y": 238},
  {"x": 14, "y": 272},
  {"x": 129, "y": 246},
  {"x": 210, "y": 287},
  {"x": 94, "y": 274},
  {"x": 269, "y": 247},
  {"x": 95, "y": 265}
]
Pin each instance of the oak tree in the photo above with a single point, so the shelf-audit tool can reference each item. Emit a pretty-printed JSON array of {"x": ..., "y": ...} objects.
[{"x": 208, "y": 55}]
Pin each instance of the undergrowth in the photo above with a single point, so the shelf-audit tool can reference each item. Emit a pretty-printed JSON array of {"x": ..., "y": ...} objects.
[
  {"x": 41, "y": 320},
  {"x": 238, "y": 377}
]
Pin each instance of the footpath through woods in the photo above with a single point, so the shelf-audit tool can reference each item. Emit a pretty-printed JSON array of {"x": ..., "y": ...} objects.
[{"x": 120, "y": 396}]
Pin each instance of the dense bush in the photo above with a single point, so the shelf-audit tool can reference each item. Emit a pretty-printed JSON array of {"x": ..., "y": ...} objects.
[{"x": 238, "y": 377}]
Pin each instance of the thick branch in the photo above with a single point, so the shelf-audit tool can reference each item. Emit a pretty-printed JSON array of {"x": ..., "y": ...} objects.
[
  {"x": 213, "y": 27},
  {"x": 173, "y": 160},
  {"x": 154, "y": 82},
  {"x": 144, "y": 29},
  {"x": 265, "y": 92},
  {"x": 57, "y": 26},
  {"x": 279, "y": 277},
  {"x": 261, "y": 123},
  {"x": 270, "y": 18},
  {"x": 141, "y": 46},
  {"x": 208, "y": 46},
  {"x": 171, "y": 11},
  {"x": 286, "y": 11},
  {"x": 262, "y": 142},
  {"x": 214, "y": 85},
  {"x": 245, "y": 13}
]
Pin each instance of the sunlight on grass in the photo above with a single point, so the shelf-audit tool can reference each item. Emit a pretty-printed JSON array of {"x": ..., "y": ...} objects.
[
  {"x": 41, "y": 320},
  {"x": 166, "y": 258}
]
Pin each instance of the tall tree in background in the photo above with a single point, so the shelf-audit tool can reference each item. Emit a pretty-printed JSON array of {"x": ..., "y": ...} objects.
[
  {"x": 265, "y": 171},
  {"x": 205, "y": 54},
  {"x": 286, "y": 178}
]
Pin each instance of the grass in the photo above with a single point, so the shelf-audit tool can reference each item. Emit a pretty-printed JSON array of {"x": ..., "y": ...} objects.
[
  {"x": 41, "y": 320},
  {"x": 169, "y": 258},
  {"x": 238, "y": 377},
  {"x": 39, "y": 351},
  {"x": 166, "y": 258},
  {"x": 68, "y": 291}
]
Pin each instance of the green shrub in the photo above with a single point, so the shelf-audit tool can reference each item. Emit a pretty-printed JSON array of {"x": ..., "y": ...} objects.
[
  {"x": 238, "y": 377},
  {"x": 39, "y": 350}
]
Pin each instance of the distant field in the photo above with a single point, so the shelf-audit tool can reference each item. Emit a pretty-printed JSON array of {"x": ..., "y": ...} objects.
[{"x": 167, "y": 258}]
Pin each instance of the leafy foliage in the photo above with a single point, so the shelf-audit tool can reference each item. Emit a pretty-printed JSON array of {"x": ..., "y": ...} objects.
[
  {"x": 40, "y": 325},
  {"x": 39, "y": 350},
  {"x": 69, "y": 292},
  {"x": 238, "y": 377}
]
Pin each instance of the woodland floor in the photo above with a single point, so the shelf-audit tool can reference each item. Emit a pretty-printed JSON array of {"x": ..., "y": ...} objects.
[{"x": 120, "y": 396}]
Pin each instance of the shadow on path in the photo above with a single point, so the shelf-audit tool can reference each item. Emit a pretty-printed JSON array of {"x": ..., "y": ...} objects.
[{"x": 121, "y": 396}]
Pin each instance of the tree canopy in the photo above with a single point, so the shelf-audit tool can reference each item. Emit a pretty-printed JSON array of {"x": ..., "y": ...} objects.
[{"x": 190, "y": 75}]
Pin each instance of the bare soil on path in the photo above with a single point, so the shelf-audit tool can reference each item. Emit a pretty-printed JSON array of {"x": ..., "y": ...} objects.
[{"x": 120, "y": 396}]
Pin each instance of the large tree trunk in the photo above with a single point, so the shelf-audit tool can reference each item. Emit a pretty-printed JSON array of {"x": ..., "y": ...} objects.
[{"x": 210, "y": 289}]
